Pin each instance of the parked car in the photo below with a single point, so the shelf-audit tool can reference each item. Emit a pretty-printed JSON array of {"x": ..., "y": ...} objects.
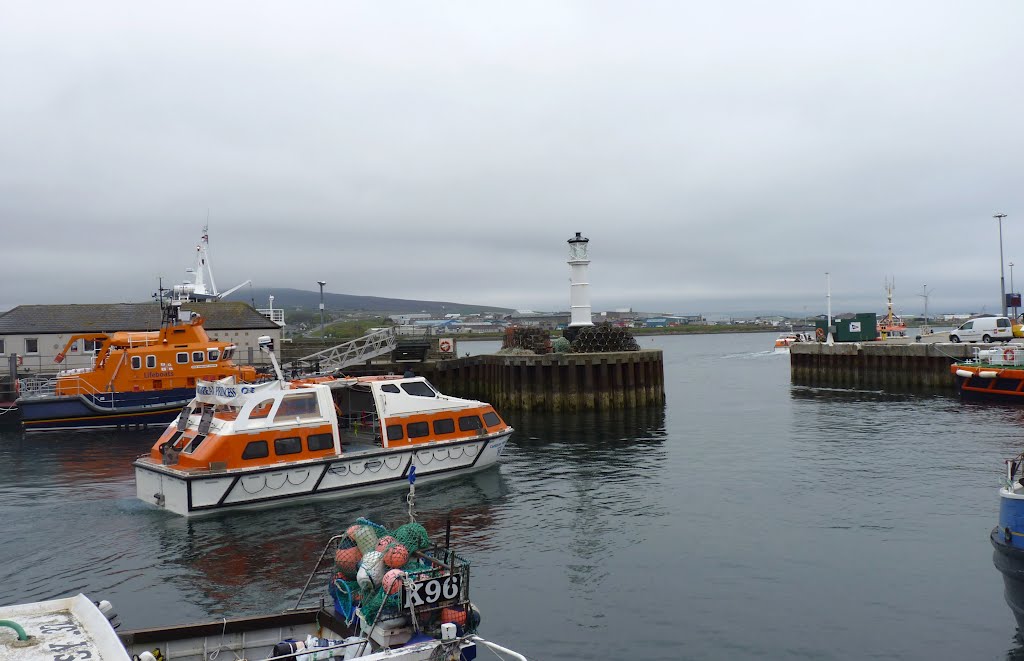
[{"x": 983, "y": 329}]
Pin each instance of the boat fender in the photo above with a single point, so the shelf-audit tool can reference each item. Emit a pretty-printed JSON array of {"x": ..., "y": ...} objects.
[
  {"x": 17, "y": 385},
  {"x": 964, "y": 373},
  {"x": 1007, "y": 535},
  {"x": 988, "y": 374}
]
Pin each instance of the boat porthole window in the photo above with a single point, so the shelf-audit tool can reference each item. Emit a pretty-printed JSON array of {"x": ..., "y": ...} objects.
[
  {"x": 444, "y": 426},
  {"x": 256, "y": 450},
  {"x": 470, "y": 423},
  {"x": 182, "y": 357},
  {"x": 418, "y": 429},
  {"x": 136, "y": 362},
  {"x": 150, "y": 362},
  {"x": 197, "y": 356},
  {"x": 290, "y": 445},
  {"x": 491, "y": 419},
  {"x": 213, "y": 355},
  {"x": 395, "y": 433},
  {"x": 389, "y": 387},
  {"x": 317, "y": 442}
]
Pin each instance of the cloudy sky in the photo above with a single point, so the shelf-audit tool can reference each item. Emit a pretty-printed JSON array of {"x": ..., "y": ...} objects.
[{"x": 721, "y": 156}]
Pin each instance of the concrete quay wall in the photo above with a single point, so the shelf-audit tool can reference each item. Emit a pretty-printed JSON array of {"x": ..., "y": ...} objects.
[
  {"x": 549, "y": 382},
  {"x": 917, "y": 366}
]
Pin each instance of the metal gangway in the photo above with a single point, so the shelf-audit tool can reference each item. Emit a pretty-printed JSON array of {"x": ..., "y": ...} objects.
[{"x": 352, "y": 352}]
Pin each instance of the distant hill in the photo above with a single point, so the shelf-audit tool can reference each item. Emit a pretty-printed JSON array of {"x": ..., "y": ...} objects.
[{"x": 310, "y": 300}]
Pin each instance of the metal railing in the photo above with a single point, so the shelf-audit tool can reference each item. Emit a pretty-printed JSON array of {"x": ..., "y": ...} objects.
[{"x": 341, "y": 356}]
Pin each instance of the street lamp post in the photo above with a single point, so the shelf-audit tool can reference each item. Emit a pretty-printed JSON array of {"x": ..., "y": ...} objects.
[
  {"x": 323, "y": 338},
  {"x": 1013, "y": 291},
  {"x": 925, "y": 294},
  {"x": 1002, "y": 278}
]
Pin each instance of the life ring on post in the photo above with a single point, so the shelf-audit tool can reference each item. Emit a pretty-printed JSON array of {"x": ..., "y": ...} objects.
[
  {"x": 20, "y": 360},
  {"x": 1009, "y": 355},
  {"x": 819, "y": 334},
  {"x": 59, "y": 358},
  {"x": 444, "y": 346}
]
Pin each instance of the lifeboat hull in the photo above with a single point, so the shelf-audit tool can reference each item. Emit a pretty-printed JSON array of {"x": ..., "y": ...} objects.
[
  {"x": 103, "y": 410},
  {"x": 190, "y": 493},
  {"x": 989, "y": 385}
]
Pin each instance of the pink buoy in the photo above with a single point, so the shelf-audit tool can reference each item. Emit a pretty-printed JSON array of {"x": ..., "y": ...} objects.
[
  {"x": 385, "y": 542},
  {"x": 392, "y": 582}
]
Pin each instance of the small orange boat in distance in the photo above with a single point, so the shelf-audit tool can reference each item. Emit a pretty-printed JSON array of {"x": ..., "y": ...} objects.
[
  {"x": 136, "y": 378},
  {"x": 238, "y": 445}
]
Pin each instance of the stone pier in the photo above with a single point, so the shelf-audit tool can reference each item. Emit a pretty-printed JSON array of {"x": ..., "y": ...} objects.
[
  {"x": 913, "y": 367},
  {"x": 549, "y": 382}
]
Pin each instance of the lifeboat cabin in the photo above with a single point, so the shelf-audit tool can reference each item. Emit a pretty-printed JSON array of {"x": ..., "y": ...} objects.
[
  {"x": 240, "y": 445},
  {"x": 136, "y": 379}
]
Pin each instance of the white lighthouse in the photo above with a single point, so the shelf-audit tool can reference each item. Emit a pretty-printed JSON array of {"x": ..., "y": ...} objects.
[{"x": 579, "y": 288}]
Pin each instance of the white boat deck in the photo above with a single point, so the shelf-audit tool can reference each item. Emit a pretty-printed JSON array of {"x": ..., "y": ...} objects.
[{"x": 71, "y": 628}]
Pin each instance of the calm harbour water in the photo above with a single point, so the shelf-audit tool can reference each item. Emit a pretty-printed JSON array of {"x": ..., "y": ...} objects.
[{"x": 748, "y": 518}]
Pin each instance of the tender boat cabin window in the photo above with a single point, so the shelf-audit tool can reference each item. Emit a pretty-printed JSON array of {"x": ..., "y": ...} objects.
[
  {"x": 418, "y": 389},
  {"x": 491, "y": 419},
  {"x": 256, "y": 450},
  {"x": 395, "y": 433},
  {"x": 389, "y": 387},
  {"x": 262, "y": 409},
  {"x": 150, "y": 362},
  {"x": 418, "y": 429},
  {"x": 197, "y": 356},
  {"x": 213, "y": 355},
  {"x": 469, "y": 423},
  {"x": 182, "y": 357},
  {"x": 299, "y": 406},
  {"x": 320, "y": 442},
  {"x": 228, "y": 353},
  {"x": 136, "y": 362},
  {"x": 31, "y": 345},
  {"x": 444, "y": 426},
  {"x": 291, "y": 445}
]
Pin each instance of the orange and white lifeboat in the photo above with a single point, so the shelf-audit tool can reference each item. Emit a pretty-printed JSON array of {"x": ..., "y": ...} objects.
[{"x": 245, "y": 445}]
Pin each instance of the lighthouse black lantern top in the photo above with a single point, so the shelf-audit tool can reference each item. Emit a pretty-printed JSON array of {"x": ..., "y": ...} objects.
[{"x": 578, "y": 247}]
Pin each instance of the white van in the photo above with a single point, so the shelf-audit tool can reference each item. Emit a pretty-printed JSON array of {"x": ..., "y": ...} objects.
[{"x": 983, "y": 329}]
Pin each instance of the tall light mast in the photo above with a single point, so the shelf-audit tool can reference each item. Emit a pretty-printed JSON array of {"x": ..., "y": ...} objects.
[{"x": 579, "y": 288}]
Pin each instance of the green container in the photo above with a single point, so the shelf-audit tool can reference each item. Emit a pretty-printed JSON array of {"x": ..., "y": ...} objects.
[{"x": 861, "y": 328}]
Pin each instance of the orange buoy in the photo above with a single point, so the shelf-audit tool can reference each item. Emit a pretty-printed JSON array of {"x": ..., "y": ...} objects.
[
  {"x": 347, "y": 560},
  {"x": 396, "y": 556}
]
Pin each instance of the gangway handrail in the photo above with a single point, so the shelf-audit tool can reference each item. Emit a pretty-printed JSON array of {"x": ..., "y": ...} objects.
[{"x": 348, "y": 353}]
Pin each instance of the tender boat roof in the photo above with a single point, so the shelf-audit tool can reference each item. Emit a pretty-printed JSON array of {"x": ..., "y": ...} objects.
[{"x": 72, "y": 625}]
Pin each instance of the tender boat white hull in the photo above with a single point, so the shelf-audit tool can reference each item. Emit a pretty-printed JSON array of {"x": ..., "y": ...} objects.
[{"x": 192, "y": 493}]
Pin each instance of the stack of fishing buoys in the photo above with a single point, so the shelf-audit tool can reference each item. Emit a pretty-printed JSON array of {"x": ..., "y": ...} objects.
[{"x": 373, "y": 563}]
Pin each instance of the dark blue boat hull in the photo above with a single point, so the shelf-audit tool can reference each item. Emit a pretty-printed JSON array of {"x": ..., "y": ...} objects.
[{"x": 103, "y": 410}]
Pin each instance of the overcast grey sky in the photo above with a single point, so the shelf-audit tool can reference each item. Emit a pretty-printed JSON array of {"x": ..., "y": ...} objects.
[{"x": 721, "y": 156}]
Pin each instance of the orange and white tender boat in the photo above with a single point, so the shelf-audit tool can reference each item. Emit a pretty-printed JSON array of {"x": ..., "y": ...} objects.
[{"x": 238, "y": 445}]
